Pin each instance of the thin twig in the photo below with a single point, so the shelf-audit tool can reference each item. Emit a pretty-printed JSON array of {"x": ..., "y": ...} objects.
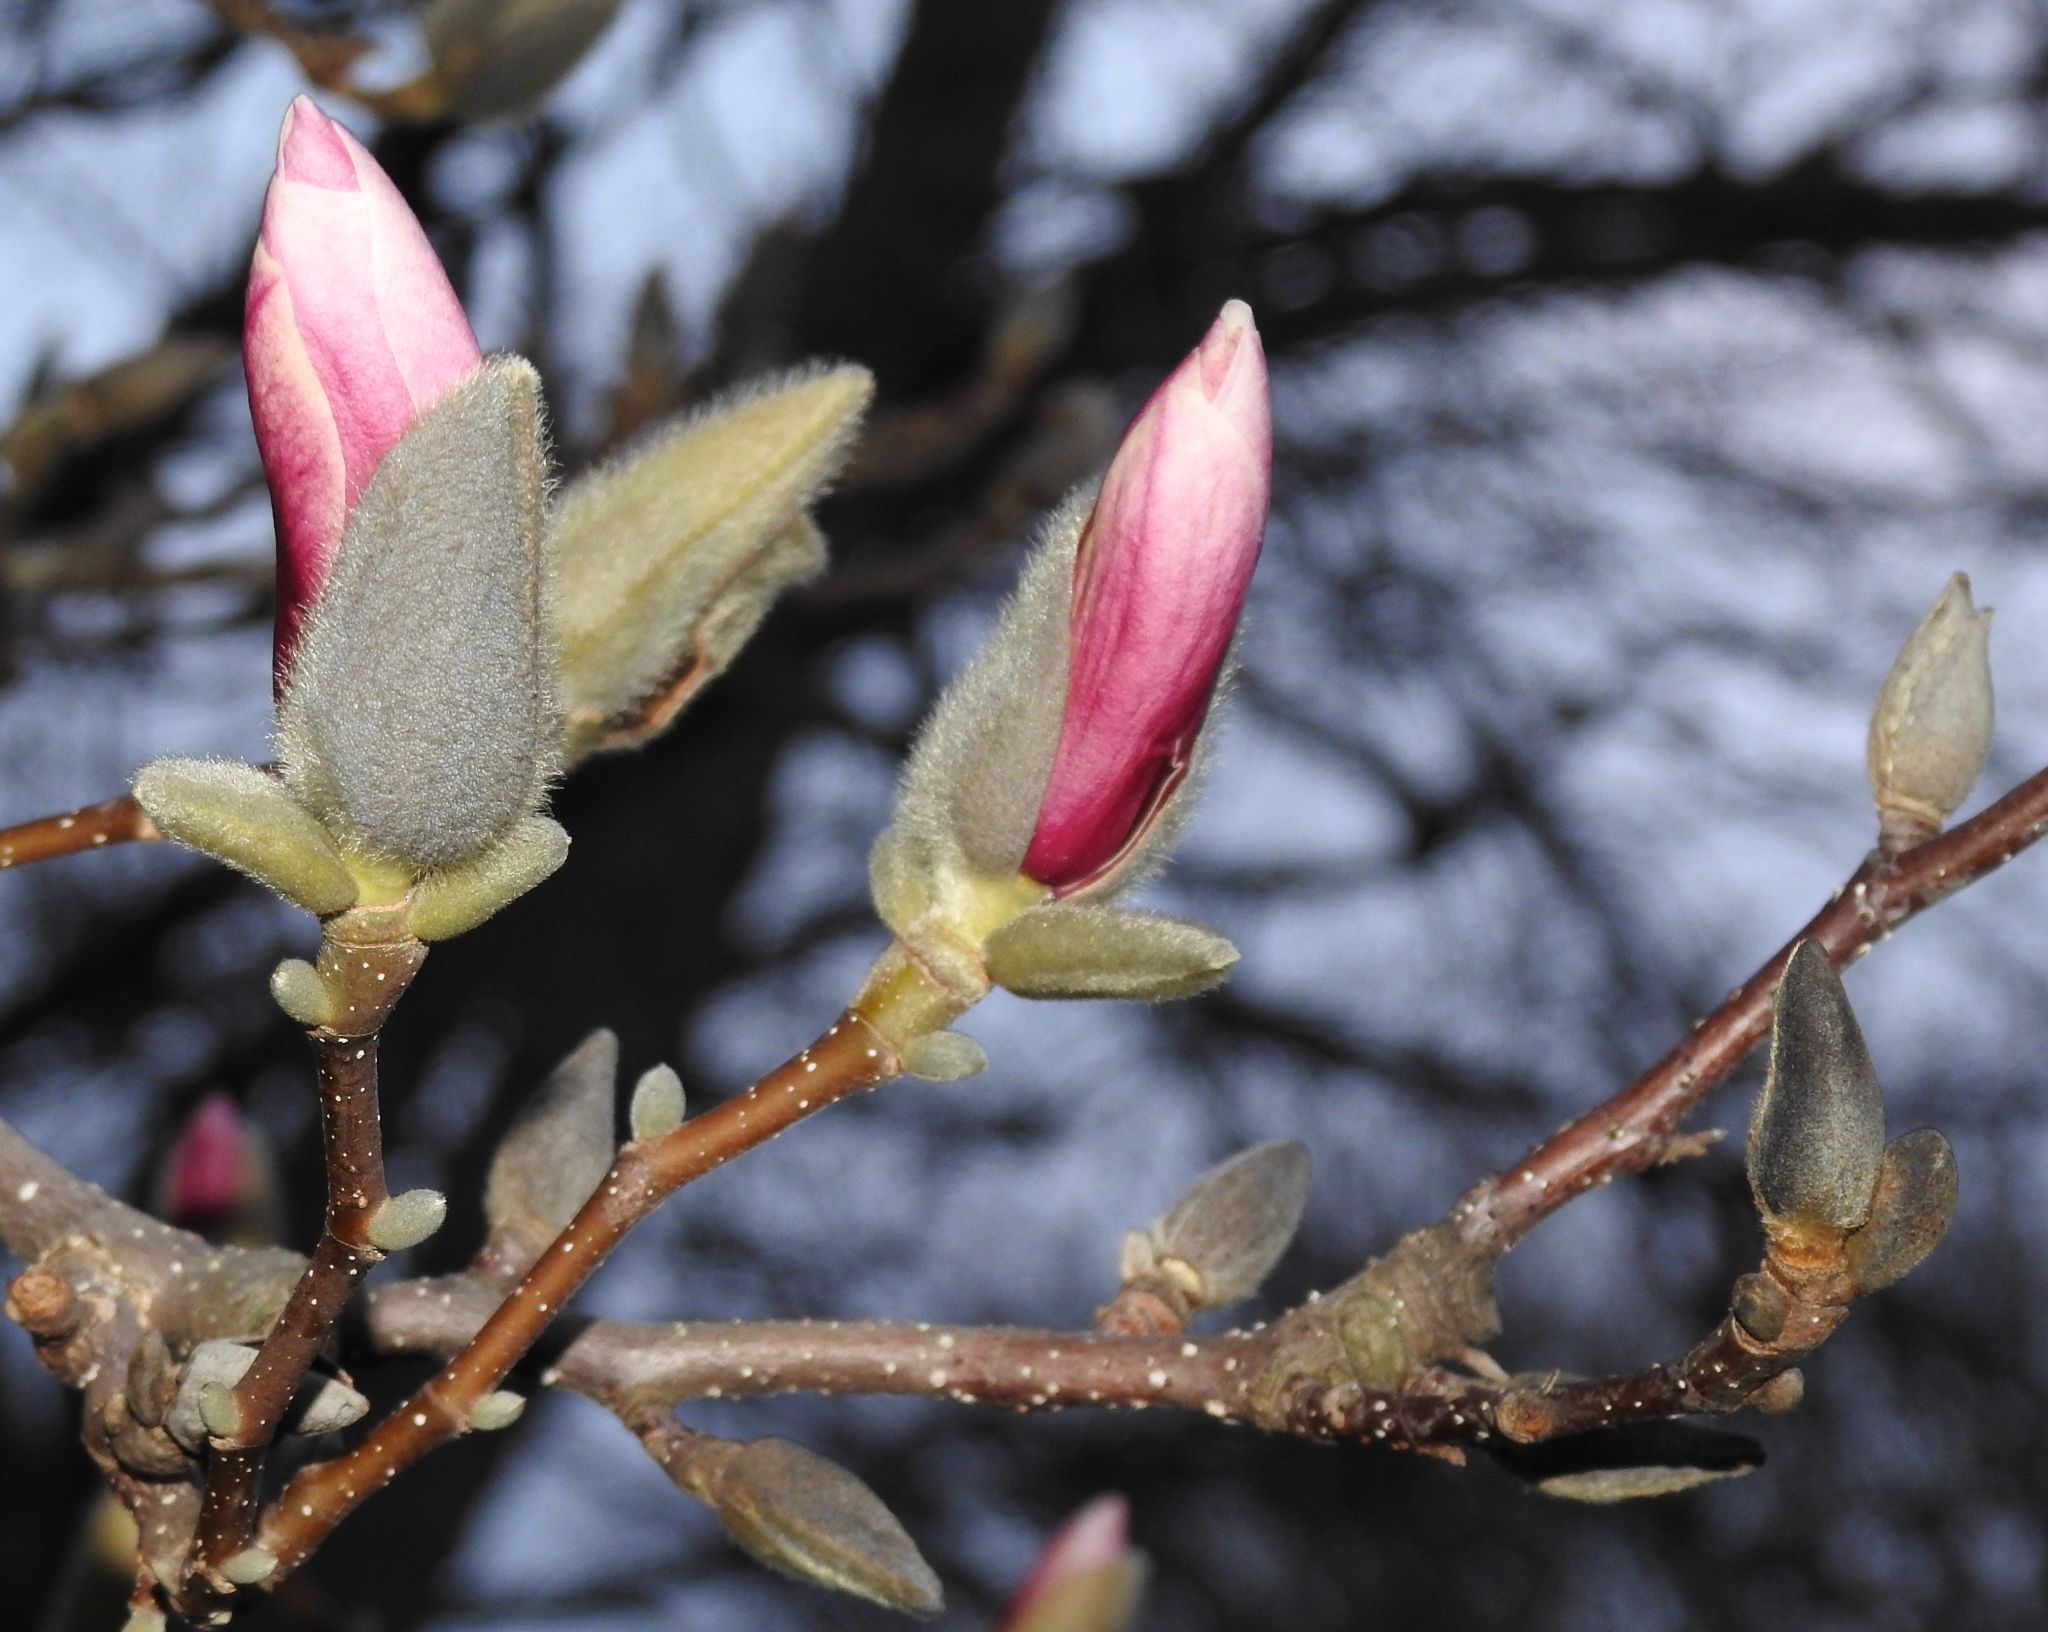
[
  {"x": 90, "y": 827},
  {"x": 853, "y": 1055},
  {"x": 1633, "y": 1130},
  {"x": 345, "y": 1061}
]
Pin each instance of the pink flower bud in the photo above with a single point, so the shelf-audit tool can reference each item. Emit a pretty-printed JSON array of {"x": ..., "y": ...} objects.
[
  {"x": 351, "y": 330},
  {"x": 1094, "y": 1542},
  {"x": 204, "y": 1179},
  {"x": 1161, "y": 571}
]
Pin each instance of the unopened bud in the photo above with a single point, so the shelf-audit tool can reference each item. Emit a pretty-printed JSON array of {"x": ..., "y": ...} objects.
[
  {"x": 496, "y": 59},
  {"x": 1909, "y": 1214},
  {"x": 1816, "y": 1140},
  {"x": 945, "y": 1056},
  {"x": 325, "y": 1405},
  {"x": 407, "y": 1220},
  {"x": 1931, "y": 729},
  {"x": 1630, "y": 1461},
  {"x": 1236, "y": 1220},
  {"x": 810, "y": 1518},
  {"x": 250, "y": 1565},
  {"x": 205, "y": 1394},
  {"x": 244, "y": 817},
  {"x": 658, "y": 1103},
  {"x": 498, "y": 1409},
  {"x": 554, "y": 1155},
  {"x": 1070, "y": 949},
  {"x": 417, "y": 721},
  {"x": 665, "y": 561},
  {"x": 219, "y": 1410},
  {"x": 303, "y": 993},
  {"x": 1086, "y": 1580},
  {"x": 1780, "y": 1394},
  {"x": 458, "y": 898}
]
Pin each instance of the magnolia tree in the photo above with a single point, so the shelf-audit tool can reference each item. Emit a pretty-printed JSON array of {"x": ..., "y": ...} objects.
[{"x": 454, "y": 636}]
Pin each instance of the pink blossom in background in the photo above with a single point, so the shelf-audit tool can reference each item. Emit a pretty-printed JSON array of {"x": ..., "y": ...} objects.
[
  {"x": 1095, "y": 1538},
  {"x": 1163, "y": 565},
  {"x": 203, "y": 1179},
  {"x": 351, "y": 330}
]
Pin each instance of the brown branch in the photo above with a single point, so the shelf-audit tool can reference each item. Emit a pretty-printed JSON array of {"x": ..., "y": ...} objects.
[
  {"x": 851, "y": 1056},
  {"x": 345, "y": 1060},
  {"x": 90, "y": 827},
  {"x": 1634, "y": 1129}
]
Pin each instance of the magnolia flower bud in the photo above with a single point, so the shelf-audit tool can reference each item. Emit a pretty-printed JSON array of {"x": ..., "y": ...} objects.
[
  {"x": 218, "y": 1179},
  {"x": 1086, "y": 1580},
  {"x": 351, "y": 330},
  {"x": 1931, "y": 729},
  {"x": 1058, "y": 761},
  {"x": 658, "y": 1103},
  {"x": 1816, "y": 1140},
  {"x": 418, "y": 722}
]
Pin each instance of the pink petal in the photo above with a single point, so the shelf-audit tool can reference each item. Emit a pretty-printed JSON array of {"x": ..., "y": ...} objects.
[
  {"x": 204, "y": 1179},
  {"x": 1096, "y": 1536},
  {"x": 352, "y": 329},
  {"x": 1161, "y": 575}
]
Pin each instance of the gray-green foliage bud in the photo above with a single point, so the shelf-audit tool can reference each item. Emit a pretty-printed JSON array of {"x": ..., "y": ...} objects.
[
  {"x": 1074, "y": 949},
  {"x": 496, "y": 1410},
  {"x": 658, "y": 1103},
  {"x": 418, "y": 720},
  {"x": 810, "y": 1518},
  {"x": 945, "y": 1056},
  {"x": 496, "y": 59},
  {"x": 665, "y": 561},
  {"x": 1909, "y": 1214},
  {"x": 244, "y": 817},
  {"x": 1235, "y": 1221},
  {"x": 458, "y": 898},
  {"x": 249, "y": 1566},
  {"x": 406, "y": 1220},
  {"x": 304, "y": 993},
  {"x": 1631, "y": 1462},
  {"x": 205, "y": 1394},
  {"x": 555, "y": 1154},
  {"x": 1816, "y": 1140},
  {"x": 1931, "y": 728}
]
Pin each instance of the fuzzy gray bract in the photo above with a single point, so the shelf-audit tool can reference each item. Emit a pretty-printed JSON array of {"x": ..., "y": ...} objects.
[{"x": 419, "y": 718}]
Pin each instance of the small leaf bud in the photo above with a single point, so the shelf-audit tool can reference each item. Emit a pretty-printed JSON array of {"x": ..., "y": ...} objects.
[
  {"x": 498, "y": 1409},
  {"x": 207, "y": 1383},
  {"x": 244, "y": 817},
  {"x": 303, "y": 993},
  {"x": 250, "y": 1565},
  {"x": 219, "y": 1410},
  {"x": 1780, "y": 1394},
  {"x": 458, "y": 898},
  {"x": 1816, "y": 1139},
  {"x": 945, "y": 1056},
  {"x": 554, "y": 1155},
  {"x": 1632, "y": 1462},
  {"x": 406, "y": 1220},
  {"x": 1760, "y": 1306},
  {"x": 1236, "y": 1220},
  {"x": 1916, "y": 1198},
  {"x": 496, "y": 59},
  {"x": 658, "y": 1103},
  {"x": 325, "y": 1405},
  {"x": 810, "y": 1518},
  {"x": 1069, "y": 949},
  {"x": 1931, "y": 728}
]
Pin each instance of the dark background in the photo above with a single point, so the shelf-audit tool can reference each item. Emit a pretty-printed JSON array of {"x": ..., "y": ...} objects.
[{"x": 1641, "y": 369}]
